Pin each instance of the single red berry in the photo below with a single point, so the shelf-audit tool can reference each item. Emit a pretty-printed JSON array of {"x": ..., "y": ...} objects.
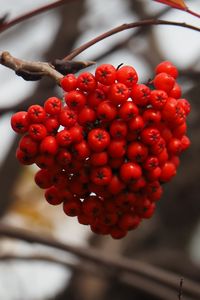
[
  {"x": 115, "y": 186},
  {"x": 52, "y": 196},
  {"x": 67, "y": 117},
  {"x": 140, "y": 94},
  {"x": 72, "y": 207},
  {"x": 158, "y": 147},
  {"x": 106, "y": 111},
  {"x": 167, "y": 67},
  {"x": 128, "y": 111},
  {"x": 118, "y": 129},
  {"x": 49, "y": 145},
  {"x": 95, "y": 98},
  {"x": 52, "y": 106},
  {"x": 37, "y": 132},
  {"x": 24, "y": 158},
  {"x": 64, "y": 138},
  {"x": 185, "y": 143},
  {"x": 87, "y": 117},
  {"x": 158, "y": 98},
  {"x": 151, "y": 163},
  {"x": 76, "y": 133},
  {"x": 28, "y": 146},
  {"x": 168, "y": 170},
  {"x": 105, "y": 74},
  {"x": 20, "y": 122},
  {"x": 81, "y": 150},
  {"x": 175, "y": 91},
  {"x": 127, "y": 75},
  {"x": 137, "y": 152},
  {"x": 174, "y": 146},
  {"x": 136, "y": 124},
  {"x": 150, "y": 135},
  {"x": 36, "y": 114},
  {"x": 164, "y": 82},
  {"x": 43, "y": 178},
  {"x": 117, "y": 148},
  {"x": 98, "y": 139},
  {"x": 101, "y": 175},
  {"x": 52, "y": 125},
  {"x": 64, "y": 158},
  {"x": 151, "y": 116},
  {"x": 68, "y": 82},
  {"x": 75, "y": 100},
  {"x": 130, "y": 171},
  {"x": 185, "y": 105},
  {"x": 86, "y": 82},
  {"x": 118, "y": 93}
]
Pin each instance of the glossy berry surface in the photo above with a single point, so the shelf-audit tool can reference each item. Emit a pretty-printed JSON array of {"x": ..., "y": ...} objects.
[{"x": 106, "y": 150}]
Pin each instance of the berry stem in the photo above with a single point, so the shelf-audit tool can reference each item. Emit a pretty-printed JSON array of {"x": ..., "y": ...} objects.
[{"x": 148, "y": 22}]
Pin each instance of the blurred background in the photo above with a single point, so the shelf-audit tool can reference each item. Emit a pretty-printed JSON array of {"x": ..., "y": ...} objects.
[{"x": 171, "y": 239}]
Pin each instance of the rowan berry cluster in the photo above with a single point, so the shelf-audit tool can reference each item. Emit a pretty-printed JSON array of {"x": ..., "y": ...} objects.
[{"x": 106, "y": 151}]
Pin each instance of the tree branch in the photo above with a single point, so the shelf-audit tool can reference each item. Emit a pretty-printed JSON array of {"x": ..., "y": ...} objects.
[
  {"x": 123, "y": 27},
  {"x": 5, "y": 25},
  {"x": 29, "y": 70},
  {"x": 114, "y": 263},
  {"x": 137, "y": 282}
]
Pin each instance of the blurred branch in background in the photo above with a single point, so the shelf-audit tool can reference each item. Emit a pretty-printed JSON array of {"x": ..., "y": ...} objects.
[
  {"x": 6, "y": 24},
  {"x": 118, "y": 265}
]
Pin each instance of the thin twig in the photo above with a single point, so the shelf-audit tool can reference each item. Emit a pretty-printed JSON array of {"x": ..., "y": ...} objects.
[
  {"x": 30, "y": 14},
  {"x": 29, "y": 68},
  {"x": 193, "y": 13},
  {"x": 123, "y": 27},
  {"x": 111, "y": 262},
  {"x": 180, "y": 292}
]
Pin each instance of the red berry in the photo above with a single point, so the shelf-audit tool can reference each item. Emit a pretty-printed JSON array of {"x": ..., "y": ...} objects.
[
  {"x": 140, "y": 94},
  {"x": 36, "y": 114},
  {"x": 98, "y": 139},
  {"x": 128, "y": 111},
  {"x": 49, "y": 145},
  {"x": 127, "y": 75},
  {"x": 130, "y": 171},
  {"x": 118, "y": 93},
  {"x": 52, "y": 196},
  {"x": 68, "y": 82},
  {"x": 37, "y": 132},
  {"x": 67, "y": 117},
  {"x": 101, "y": 175},
  {"x": 167, "y": 67},
  {"x": 75, "y": 100},
  {"x": 106, "y": 111},
  {"x": 20, "y": 122},
  {"x": 105, "y": 74},
  {"x": 86, "y": 82},
  {"x": 52, "y": 106},
  {"x": 164, "y": 82}
]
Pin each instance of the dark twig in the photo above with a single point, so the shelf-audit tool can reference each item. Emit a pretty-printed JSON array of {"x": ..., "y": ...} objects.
[
  {"x": 123, "y": 27},
  {"x": 110, "y": 262},
  {"x": 180, "y": 292},
  {"x": 5, "y": 25}
]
